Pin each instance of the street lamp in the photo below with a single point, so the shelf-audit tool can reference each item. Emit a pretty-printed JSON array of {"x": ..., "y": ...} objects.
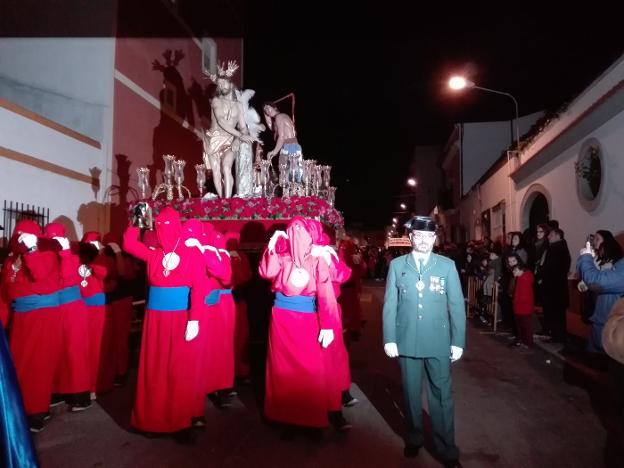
[
  {"x": 395, "y": 220},
  {"x": 403, "y": 206},
  {"x": 411, "y": 182},
  {"x": 458, "y": 83}
]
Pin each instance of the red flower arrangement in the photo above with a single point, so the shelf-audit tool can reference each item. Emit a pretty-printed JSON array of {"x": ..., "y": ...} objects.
[{"x": 256, "y": 208}]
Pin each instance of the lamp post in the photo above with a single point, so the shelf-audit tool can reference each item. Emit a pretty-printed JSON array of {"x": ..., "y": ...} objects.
[{"x": 458, "y": 83}]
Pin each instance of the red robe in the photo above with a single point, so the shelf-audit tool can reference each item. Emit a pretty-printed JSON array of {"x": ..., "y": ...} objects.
[
  {"x": 35, "y": 336},
  {"x": 73, "y": 374},
  {"x": 166, "y": 382},
  {"x": 335, "y": 357},
  {"x": 241, "y": 274},
  {"x": 101, "y": 359},
  {"x": 350, "y": 297},
  {"x": 215, "y": 268},
  {"x": 296, "y": 390},
  {"x": 121, "y": 312},
  {"x": 221, "y": 320}
]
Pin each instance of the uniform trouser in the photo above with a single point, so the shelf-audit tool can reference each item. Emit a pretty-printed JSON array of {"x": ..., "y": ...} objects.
[
  {"x": 437, "y": 376},
  {"x": 555, "y": 318}
]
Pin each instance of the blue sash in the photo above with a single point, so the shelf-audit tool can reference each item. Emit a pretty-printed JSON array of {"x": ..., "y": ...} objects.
[
  {"x": 98, "y": 299},
  {"x": 70, "y": 294},
  {"x": 213, "y": 297},
  {"x": 168, "y": 299},
  {"x": 306, "y": 304},
  {"x": 36, "y": 301}
]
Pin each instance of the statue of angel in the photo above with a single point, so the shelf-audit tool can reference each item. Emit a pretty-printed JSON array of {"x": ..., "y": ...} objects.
[{"x": 244, "y": 163}]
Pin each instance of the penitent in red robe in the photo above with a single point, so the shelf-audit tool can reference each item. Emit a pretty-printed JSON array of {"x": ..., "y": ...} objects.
[
  {"x": 73, "y": 372},
  {"x": 215, "y": 267},
  {"x": 35, "y": 337},
  {"x": 296, "y": 390},
  {"x": 241, "y": 274},
  {"x": 167, "y": 378},
  {"x": 221, "y": 319},
  {"x": 335, "y": 357}
]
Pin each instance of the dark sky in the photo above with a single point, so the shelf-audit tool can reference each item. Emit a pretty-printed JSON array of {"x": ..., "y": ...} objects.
[{"x": 370, "y": 80}]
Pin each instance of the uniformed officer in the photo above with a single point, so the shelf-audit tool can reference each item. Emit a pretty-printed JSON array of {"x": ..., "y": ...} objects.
[{"x": 424, "y": 325}]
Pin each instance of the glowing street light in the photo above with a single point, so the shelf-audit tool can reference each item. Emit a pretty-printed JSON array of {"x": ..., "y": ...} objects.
[
  {"x": 395, "y": 220},
  {"x": 458, "y": 83},
  {"x": 403, "y": 206},
  {"x": 412, "y": 182}
]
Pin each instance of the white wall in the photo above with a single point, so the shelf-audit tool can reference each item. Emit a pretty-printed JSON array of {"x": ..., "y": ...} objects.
[
  {"x": 559, "y": 181},
  {"x": 63, "y": 79},
  {"x": 484, "y": 142}
]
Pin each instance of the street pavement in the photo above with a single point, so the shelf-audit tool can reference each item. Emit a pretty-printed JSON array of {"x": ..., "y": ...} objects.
[{"x": 513, "y": 408}]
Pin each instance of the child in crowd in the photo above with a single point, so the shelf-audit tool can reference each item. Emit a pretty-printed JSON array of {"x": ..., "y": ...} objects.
[{"x": 523, "y": 304}]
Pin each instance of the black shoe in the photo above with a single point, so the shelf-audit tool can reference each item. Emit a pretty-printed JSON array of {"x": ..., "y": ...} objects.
[
  {"x": 38, "y": 422},
  {"x": 78, "y": 407},
  {"x": 198, "y": 422},
  {"x": 348, "y": 399},
  {"x": 338, "y": 421},
  {"x": 57, "y": 400},
  {"x": 411, "y": 450},
  {"x": 452, "y": 464},
  {"x": 220, "y": 400}
]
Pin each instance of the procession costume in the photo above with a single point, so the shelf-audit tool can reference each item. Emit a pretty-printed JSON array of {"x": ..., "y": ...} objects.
[
  {"x": 335, "y": 357},
  {"x": 351, "y": 289},
  {"x": 98, "y": 280},
  {"x": 32, "y": 279},
  {"x": 424, "y": 317},
  {"x": 208, "y": 256},
  {"x": 73, "y": 377},
  {"x": 304, "y": 313},
  {"x": 166, "y": 382},
  {"x": 221, "y": 319},
  {"x": 241, "y": 274}
]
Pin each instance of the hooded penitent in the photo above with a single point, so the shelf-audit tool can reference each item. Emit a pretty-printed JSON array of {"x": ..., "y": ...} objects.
[
  {"x": 25, "y": 226},
  {"x": 168, "y": 229}
]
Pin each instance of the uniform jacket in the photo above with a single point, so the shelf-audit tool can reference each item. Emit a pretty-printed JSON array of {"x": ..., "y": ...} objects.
[{"x": 425, "y": 323}]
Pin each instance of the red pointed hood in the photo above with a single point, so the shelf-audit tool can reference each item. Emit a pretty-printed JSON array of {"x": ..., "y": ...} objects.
[
  {"x": 232, "y": 240},
  {"x": 25, "y": 226},
  {"x": 299, "y": 240},
  {"x": 192, "y": 228},
  {"x": 316, "y": 231},
  {"x": 54, "y": 230},
  {"x": 168, "y": 229}
]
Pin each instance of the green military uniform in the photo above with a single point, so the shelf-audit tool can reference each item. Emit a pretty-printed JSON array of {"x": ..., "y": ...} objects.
[{"x": 424, "y": 315}]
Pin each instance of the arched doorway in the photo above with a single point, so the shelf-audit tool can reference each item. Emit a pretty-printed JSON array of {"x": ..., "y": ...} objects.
[
  {"x": 538, "y": 211},
  {"x": 536, "y": 207}
]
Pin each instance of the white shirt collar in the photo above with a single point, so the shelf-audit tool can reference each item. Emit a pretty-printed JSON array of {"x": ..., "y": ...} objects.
[{"x": 420, "y": 256}]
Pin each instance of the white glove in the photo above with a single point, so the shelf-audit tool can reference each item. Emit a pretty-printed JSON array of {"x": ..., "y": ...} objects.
[
  {"x": 115, "y": 247},
  {"x": 192, "y": 242},
  {"x": 391, "y": 349},
  {"x": 273, "y": 241},
  {"x": 319, "y": 251},
  {"x": 29, "y": 240},
  {"x": 456, "y": 353},
  {"x": 587, "y": 250},
  {"x": 326, "y": 337},
  {"x": 63, "y": 241},
  {"x": 96, "y": 244},
  {"x": 192, "y": 330},
  {"x": 582, "y": 287},
  {"x": 203, "y": 248}
]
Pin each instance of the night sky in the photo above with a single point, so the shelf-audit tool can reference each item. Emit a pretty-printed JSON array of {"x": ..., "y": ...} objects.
[{"x": 370, "y": 81}]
